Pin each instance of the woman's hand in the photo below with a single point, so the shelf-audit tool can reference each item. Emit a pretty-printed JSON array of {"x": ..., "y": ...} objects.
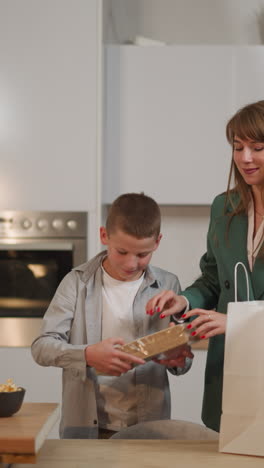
[
  {"x": 166, "y": 303},
  {"x": 208, "y": 323}
]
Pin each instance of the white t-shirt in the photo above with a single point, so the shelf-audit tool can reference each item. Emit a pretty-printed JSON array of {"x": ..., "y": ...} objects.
[{"x": 116, "y": 397}]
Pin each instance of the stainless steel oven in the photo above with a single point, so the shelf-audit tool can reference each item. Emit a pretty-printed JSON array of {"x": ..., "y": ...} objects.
[{"x": 37, "y": 249}]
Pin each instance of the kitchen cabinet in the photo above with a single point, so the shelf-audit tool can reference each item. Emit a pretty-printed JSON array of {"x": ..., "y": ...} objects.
[
  {"x": 50, "y": 88},
  {"x": 48, "y": 102},
  {"x": 166, "y": 108},
  {"x": 249, "y": 69}
]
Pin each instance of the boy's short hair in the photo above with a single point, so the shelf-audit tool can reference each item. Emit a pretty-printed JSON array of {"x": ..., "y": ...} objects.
[{"x": 135, "y": 214}]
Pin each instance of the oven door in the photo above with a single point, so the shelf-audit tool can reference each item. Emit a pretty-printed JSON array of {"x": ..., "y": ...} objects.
[{"x": 30, "y": 272}]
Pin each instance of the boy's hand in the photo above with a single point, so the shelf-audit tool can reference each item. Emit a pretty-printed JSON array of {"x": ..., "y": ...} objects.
[
  {"x": 108, "y": 359},
  {"x": 166, "y": 303},
  {"x": 176, "y": 357}
]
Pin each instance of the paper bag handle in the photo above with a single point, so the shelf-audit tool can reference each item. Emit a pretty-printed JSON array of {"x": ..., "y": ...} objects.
[{"x": 235, "y": 275}]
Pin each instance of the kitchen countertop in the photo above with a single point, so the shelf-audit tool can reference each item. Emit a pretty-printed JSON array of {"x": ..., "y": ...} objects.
[
  {"x": 22, "y": 434},
  {"x": 137, "y": 453}
]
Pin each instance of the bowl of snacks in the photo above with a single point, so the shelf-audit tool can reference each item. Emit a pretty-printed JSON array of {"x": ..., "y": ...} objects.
[{"x": 11, "y": 398}]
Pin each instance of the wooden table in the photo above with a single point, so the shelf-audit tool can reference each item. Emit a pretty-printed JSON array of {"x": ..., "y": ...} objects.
[
  {"x": 137, "y": 454},
  {"x": 22, "y": 434}
]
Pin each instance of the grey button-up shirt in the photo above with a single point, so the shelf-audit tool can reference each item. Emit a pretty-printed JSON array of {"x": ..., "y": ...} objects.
[{"x": 73, "y": 321}]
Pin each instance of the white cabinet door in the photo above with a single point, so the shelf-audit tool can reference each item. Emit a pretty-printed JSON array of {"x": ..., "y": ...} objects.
[
  {"x": 166, "y": 111},
  {"x": 48, "y": 83}
]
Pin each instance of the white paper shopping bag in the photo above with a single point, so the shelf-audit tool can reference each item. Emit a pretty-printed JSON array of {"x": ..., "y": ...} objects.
[{"x": 242, "y": 421}]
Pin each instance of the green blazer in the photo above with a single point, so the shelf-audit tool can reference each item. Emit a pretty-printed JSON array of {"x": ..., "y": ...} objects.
[{"x": 215, "y": 289}]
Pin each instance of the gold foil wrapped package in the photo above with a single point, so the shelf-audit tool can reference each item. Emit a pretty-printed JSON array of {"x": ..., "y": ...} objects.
[{"x": 157, "y": 343}]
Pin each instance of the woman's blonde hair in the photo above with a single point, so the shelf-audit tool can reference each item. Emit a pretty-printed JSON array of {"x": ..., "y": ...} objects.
[{"x": 246, "y": 124}]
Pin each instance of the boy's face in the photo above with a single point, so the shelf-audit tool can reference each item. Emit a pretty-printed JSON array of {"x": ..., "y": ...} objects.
[{"x": 127, "y": 256}]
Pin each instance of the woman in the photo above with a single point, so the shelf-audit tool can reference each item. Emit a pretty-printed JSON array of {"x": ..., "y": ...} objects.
[{"x": 235, "y": 234}]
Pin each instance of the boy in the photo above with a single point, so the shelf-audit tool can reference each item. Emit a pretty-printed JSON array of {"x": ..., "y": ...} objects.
[{"x": 99, "y": 305}]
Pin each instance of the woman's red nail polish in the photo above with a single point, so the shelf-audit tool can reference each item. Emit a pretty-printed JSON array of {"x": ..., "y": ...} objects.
[
  {"x": 158, "y": 309},
  {"x": 183, "y": 315},
  {"x": 150, "y": 312},
  {"x": 193, "y": 333},
  {"x": 162, "y": 316},
  {"x": 202, "y": 337},
  {"x": 189, "y": 326}
]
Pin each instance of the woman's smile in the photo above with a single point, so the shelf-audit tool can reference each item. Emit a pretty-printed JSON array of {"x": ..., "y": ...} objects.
[{"x": 250, "y": 171}]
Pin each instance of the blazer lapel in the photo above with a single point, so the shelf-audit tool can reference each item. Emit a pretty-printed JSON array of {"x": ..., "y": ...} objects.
[{"x": 258, "y": 278}]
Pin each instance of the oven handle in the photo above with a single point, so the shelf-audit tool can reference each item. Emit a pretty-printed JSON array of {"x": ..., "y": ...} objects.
[{"x": 37, "y": 246}]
